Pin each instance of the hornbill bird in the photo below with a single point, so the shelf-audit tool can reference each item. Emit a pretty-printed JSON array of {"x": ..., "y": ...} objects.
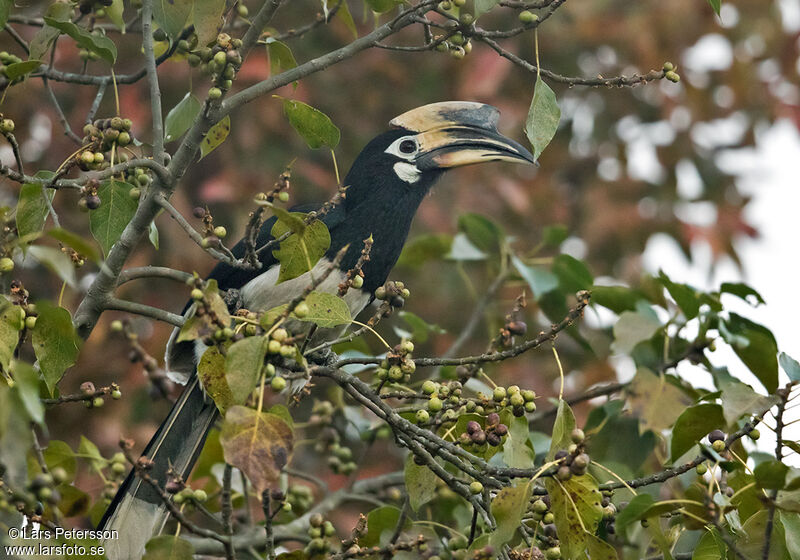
[{"x": 384, "y": 187}]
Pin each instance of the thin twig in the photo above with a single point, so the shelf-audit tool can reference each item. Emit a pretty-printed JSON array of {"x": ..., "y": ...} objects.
[
  {"x": 152, "y": 272},
  {"x": 227, "y": 510},
  {"x": 144, "y": 310}
]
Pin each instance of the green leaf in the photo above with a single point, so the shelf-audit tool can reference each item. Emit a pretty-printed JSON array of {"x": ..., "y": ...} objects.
[
  {"x": 715, "y": 5},
  {"x": 790, "y": 366},
  {"x": 573, "y": 275},
  {"x": 538, "y": 278},
  {"x": 280, "y": 56},
  {"x": 60, "y": 454},
  {"x": 27, "y": 387},
  {"x": 562, "y": 428},
  {"x": 55, "y": 342},
  {"x": 708, "y": 547},
  {"x": 554, "y": 235},
  {"x": 115, "y": 211},
  {"x": 74, "y": 241},
  {"x": 173, "y": 15},
  {"x": 517, "y": 452},
  {"x": 19, "y": 69},
  {"x": 257, "y": 443},
  {"x": 575, "y": 504},
  {"x": 461, "y": 249},
  {"x": 326, "y": 310},
  {"x": 292, "y": 220},
  {"x": 243, "y": 364},
  {"x": 89, "y": 452},
  {"x": 742, "y": 291},
  {"x": 483, "y": 6},
  {"x": 791, "y": 525},
  {"x": 599, "y": 549},
  {"x": 73, "y": 502},
  {"x": 381, "y": 524},
  {"x": 101, "y": 45},
  {"x": 759, "y": 353},
  {"x": 313, "y": 125},
  {"x": 41, "y": 42},
  {"x": 168, "y": 547},
  {"x": 482, "y": 232},
  {"x": 181, "y": 117},
  {"x": 381, "y": 6},
  {"x": 420, "y": 328},
  {"x": 115, "y": 14},
  {"x": 207, "y": 19},
  {"x": 685, "y": 296},
  {"x": 11, "y": 322},
  {"x": 425, "y": 248},
  {"x": 616, "y": 298},
  {"x": 508, "y": 507},
  {"x": 347, "y": 18},
  {"x": 632, "y": 328},
  {"x": 694, "y": 423},
  {"x": 215, "y": 136},
  {"x": 32, "y": 207},
  {"x": 750, "y": 541},
  {"x": 193, "y": 326},
  {"x": 299, "y": 252},
  {"x": 771, "y": 474},
  {"x": 543, "y": 117},
  {"x": 5, "y": 9},
  {"x": 211, "y": 372},
  {"x": 634, "y": 511},
  {"x": 56, "y": 260},
  {"x": 420, "y": 483}
]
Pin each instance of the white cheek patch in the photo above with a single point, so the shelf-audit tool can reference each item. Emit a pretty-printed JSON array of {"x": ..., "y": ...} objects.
[{"x": 408, "y": 172}]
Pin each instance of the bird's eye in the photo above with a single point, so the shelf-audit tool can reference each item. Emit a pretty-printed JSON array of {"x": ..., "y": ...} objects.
[{"x": 407, "y": 147}]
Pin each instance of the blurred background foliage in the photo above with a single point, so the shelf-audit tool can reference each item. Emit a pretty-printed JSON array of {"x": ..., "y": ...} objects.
[{"x": 625, "y": 164}]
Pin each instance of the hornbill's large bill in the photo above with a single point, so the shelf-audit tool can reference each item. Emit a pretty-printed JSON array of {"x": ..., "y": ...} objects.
[{"x": 385, "y": 185}]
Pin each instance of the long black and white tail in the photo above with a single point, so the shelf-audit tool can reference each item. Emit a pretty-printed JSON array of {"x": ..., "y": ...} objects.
[{"x": 137, "y": 512}]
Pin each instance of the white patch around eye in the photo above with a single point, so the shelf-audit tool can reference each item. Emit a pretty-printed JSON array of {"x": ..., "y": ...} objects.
[
  {"x": 394, "y": 148},
  {"x": 408, "y": 172}
]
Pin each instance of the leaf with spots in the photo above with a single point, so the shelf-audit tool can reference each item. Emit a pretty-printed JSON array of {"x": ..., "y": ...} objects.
[
  {"x": 656, "y": 402},
  {"x": 299, "y": 252},
  {"x": 207, "y": 19},
  {"x": 508, "y": 507},
  {"x": 257, "y": 443},
  {"x": 215, "y": 136},
  {"x": 211, "y": 372},
  {"x": 168, "y": 547},
  {"x": 575, "y": 503},
  {"x": 243, "y": 364},
  {"x": 420, "y": 483},
  {"x": 11, "y": 322}
]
